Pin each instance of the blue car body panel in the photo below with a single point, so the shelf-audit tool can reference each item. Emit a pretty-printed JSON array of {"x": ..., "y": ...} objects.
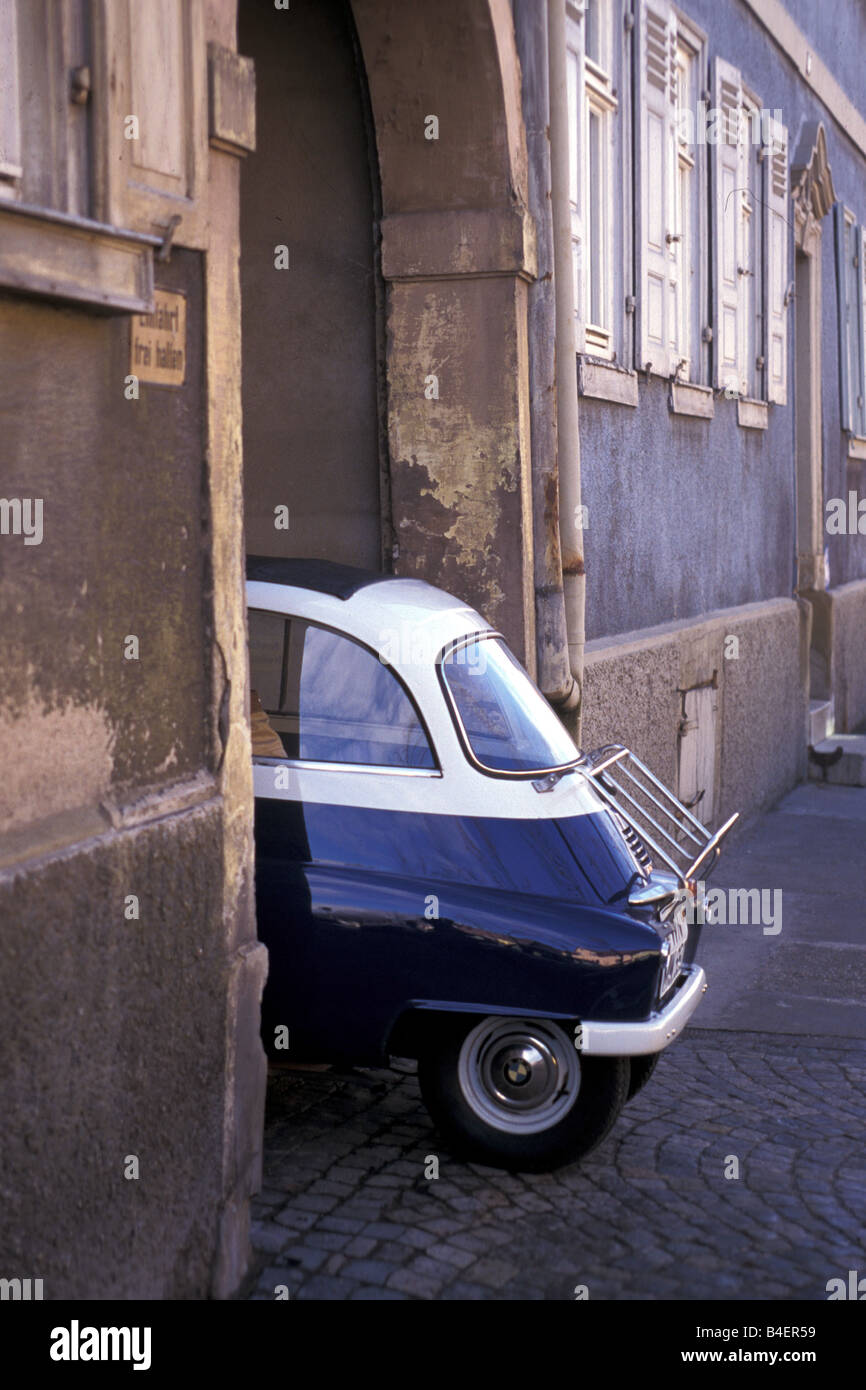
[{"x": 367, "y": 914}]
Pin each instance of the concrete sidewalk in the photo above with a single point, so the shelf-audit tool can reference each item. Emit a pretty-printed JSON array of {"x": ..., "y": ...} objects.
[{"x": 810, "y": 978}]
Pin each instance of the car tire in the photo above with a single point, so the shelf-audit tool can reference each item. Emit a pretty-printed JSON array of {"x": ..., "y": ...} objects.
[
  {"x": 642, "y": 1069},
  {"x": 515, "y": 1094}
]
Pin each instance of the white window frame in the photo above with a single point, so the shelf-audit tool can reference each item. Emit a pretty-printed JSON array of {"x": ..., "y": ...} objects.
[
  {"x": 751, "y": 256},
  {"x": 851, "y": 276},
  {"x": 592, "y": 98},
  {"x": 778, "y": 276},
  {"x": 749, "y": 202},
  {"x": 671, "y": 184}
]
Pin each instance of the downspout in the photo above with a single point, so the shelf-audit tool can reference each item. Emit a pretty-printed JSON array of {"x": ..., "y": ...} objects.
[
  {"x": 551, "y": 634},
  {"x": 570, "y": 526}
]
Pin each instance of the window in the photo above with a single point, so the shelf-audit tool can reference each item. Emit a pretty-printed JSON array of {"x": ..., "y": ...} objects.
[
  {"x": 672, "y": 194},
  {"x": 44, "y": 140},
  {"x": 776, "y": 233},
  {"x": 750, "y": 235},
  {"x": 329, "y": 699},
  {"x": 10, "y": 115},
  {"x": 851, "y": 287},
  {"x": 595, "y": 160},
  {"x": 684, "y": 247},
  {"x": 504, "y": 718}
]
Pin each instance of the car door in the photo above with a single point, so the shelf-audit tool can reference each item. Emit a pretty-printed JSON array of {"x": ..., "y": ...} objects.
[{"x": 354, "y": 753}]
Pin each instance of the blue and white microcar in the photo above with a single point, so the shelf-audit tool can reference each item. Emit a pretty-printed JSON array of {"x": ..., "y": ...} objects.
[{"x": 442, "y": 874}]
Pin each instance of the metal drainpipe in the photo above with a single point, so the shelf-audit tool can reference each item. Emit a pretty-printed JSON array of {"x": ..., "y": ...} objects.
[
  {"x": 570, "y": 529},
  {"x": 551, "y": 635}
]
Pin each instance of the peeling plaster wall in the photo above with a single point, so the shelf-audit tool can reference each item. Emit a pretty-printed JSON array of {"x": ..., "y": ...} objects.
[
  {"x": 457, "y": 251},
  {"x": 122, "y": 554},
  {"x": 122, "y": 1035},
  {"x": 459, "y": 470}
]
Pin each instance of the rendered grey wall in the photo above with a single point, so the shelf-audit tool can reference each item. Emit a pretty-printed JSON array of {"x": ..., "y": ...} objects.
[
  {"x": 684, "y": 515},
  {"x": 309, "y": 378},
  {"x": 634, "y": 696}
]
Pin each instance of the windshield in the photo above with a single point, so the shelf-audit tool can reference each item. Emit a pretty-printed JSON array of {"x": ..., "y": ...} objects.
[{"x": 504, "y": 717}]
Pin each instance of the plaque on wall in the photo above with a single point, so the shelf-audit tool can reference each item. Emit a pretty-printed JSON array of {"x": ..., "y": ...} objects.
[{"x": 157, "y": 341}]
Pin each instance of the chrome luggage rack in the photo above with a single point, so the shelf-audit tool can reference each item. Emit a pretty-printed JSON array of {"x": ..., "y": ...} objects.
[{"x": 685, "y": 846}]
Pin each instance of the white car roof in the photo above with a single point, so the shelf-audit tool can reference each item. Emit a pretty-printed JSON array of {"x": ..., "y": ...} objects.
[{"x": 407, "y": 621}]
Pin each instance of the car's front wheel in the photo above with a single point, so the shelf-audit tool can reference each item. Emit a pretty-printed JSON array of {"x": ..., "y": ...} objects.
[{"x": 514, "y": 1093}]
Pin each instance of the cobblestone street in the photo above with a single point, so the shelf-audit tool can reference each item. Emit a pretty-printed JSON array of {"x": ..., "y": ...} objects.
[{"x": 346, "y": 1211}]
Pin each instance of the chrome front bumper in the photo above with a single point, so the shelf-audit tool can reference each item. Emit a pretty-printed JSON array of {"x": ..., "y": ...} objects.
[{"x": 654, "y": 1033}]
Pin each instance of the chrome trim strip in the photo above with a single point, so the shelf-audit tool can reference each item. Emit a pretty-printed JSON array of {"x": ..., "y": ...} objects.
[
  {"x": 381, "y": 769},
  {"x": 653, "y": 1034}
]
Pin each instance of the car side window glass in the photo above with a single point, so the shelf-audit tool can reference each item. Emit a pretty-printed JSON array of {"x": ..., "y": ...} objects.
[{"x": 328, "y": 699}]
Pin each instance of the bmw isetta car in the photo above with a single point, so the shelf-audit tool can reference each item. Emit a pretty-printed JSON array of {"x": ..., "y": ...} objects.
[{"x": 441, "y": 874}]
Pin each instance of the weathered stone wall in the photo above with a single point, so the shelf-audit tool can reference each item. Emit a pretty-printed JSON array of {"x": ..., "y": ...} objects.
[
  {"x": 633, "y": 696},
  {"x": 849, "y": 655},
  {"x": 129, "y": 1036}
]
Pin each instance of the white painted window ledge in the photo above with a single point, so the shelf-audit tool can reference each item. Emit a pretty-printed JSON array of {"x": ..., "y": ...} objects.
[
  {"x": 752, "y": 415},
  {"x": 606, "y": 382},
  {"x": 688, "y": 398}
]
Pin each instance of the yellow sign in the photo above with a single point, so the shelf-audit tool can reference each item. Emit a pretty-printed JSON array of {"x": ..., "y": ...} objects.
[{"x": 157, "y": 342}]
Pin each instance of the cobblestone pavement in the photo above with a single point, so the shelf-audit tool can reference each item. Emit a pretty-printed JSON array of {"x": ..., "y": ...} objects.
[{"x": 346, "y": 1211}]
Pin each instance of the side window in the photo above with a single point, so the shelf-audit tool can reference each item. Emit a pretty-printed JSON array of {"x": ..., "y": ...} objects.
[{"x": 328, "y": 699}]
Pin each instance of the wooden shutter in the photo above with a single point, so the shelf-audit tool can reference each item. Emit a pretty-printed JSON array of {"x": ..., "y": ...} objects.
[
  {"x": 10, "y": 109},
  {"x": 657, "y": 160},
  {"x": 778, "y": 277},
  {"x": 577, "y": 163},
  {"x": 842, "y": 301},
  {"x": 861, "y": 328},
  {"x": 851, "y": 281},
  {"x": 727, "y": 229}
]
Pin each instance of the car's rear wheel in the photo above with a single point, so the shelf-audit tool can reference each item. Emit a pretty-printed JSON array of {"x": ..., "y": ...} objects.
[{"x": 514, "y": 1092}]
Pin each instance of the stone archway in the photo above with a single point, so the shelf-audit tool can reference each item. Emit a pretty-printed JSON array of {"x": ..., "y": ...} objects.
[{"x": 458, "y": 252}]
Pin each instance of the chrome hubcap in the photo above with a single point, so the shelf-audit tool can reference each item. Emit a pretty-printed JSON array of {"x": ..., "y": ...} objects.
[{"x": 519, "y": 1075}]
